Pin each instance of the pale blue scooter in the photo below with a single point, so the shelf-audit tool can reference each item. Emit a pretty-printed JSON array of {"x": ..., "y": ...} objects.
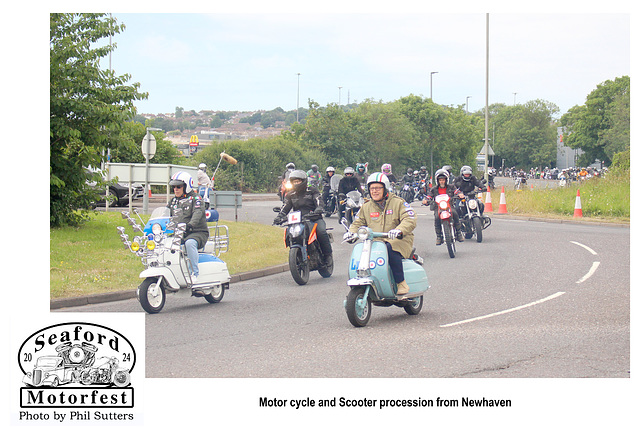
[{"x": 371, "y": 282}]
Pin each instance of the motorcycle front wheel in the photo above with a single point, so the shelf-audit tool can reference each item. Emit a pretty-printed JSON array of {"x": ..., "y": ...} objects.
[
  {"x": 477, "y": 224},
  {"x": 151, "y": 302},
  {"x": 298, "y": 266},
  {"x": 357, "y": 312},
  {"x": 448, "y": 238}
]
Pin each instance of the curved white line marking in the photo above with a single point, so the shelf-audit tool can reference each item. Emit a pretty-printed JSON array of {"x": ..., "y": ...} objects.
[
  {"x": 586, "y": 247},
  {"x": 550, "y": 297},
  {"x": 592, "y": 270}
]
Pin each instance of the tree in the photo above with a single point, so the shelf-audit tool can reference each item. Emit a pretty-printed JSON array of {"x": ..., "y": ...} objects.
[
  {"x": 88, "y": 107},
  {"x": 601, "y": 127}
]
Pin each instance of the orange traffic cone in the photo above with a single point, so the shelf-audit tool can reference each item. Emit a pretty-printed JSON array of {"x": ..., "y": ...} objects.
[
  {"x": 502, "y": 209},
  {"x": 577, "y": 212},
  {"x": 488, "y": 207}
]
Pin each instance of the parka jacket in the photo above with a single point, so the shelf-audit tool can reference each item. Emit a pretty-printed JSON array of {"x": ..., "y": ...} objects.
[
  {"x": 395, "y": 214},
  {"x": 189, "y": 209}
]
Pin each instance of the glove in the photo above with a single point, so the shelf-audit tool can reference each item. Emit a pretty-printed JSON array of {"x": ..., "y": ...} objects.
[
  {"x": 189, "y": 228},
  {"x": 394, "y": 234},
  {"x": 350, "y": 237},
  {"x": 278, "y": 220}
]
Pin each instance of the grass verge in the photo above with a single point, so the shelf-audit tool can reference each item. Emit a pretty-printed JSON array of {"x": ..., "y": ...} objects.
[
  {"x": 91, "y": 259},
  {"x": 602, "y": 199}
]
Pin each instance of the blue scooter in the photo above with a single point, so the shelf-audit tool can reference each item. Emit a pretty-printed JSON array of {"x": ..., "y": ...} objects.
[{"x": 371, "y": 282}]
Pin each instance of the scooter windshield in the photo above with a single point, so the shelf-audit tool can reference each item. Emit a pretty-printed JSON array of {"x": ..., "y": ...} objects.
[{"x": 161, "y": 212}]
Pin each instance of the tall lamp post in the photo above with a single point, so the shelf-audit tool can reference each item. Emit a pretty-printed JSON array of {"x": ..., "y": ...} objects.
[
  {"x": 431, "y": 84},
  {"x": 298, "y": 101},
  {"x": 467, "y": 108},
  {"x": 339, "y": 93},
  {"x": 148, "y": 151}
]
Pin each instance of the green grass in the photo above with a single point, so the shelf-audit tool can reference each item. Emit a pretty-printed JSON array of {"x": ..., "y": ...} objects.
[
  {"x": 602, "y": 199},
  {"x": 91, "y": 259}
]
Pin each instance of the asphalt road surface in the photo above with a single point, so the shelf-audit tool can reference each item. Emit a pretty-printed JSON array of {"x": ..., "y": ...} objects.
[{"x": 533, "y": 300}]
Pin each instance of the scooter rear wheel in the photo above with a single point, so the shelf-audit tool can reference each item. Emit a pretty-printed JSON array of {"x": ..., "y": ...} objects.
[
  {"x": 414, "y": 306},
  {"x": 216, "y": 295},
  {"x": 150, "y": 302},
  {"x": 358, "y": 313}
]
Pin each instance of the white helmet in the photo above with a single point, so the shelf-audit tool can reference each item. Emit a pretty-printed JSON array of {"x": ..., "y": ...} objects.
[
  {"x": 202, "y": 166},
  {"x": 182, "y": 178},
  {"x": 381, "y": 178},
  {"x": 330, "y": 169}
]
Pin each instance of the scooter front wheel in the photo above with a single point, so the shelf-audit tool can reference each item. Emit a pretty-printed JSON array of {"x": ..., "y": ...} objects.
[
  {"x": 151, "y": 299},
  {"x": 358, "y": 310}
]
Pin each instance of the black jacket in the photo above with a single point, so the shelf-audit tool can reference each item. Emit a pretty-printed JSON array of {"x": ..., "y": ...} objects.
[
  {"x": 308, "y": 202},
  {"x": 349, "y": 183},
  {"x": 469, "y": 186}
]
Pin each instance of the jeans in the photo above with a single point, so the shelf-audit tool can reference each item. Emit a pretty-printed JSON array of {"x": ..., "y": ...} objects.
[
  {"x": 192, "y": 254},
  {"x": 395, "y": 264}
]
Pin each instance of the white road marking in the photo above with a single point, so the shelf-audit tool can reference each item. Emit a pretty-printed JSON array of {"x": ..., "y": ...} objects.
[
  {"x": 586, "y": 247},
  {"x": 592, "y": 270},
  {"x": 550, "y": 297}
]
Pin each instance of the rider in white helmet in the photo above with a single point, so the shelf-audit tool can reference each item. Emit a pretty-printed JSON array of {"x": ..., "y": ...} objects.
[
  {"x": 187, "y": 207},
  {"x": 387, "y": 213}
]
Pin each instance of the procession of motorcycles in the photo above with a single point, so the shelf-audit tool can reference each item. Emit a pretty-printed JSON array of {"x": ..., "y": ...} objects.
[{"x": 171, "y": 266}]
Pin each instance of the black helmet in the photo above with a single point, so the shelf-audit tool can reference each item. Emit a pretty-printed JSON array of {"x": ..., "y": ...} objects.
[{"x": 299, "y": 174}]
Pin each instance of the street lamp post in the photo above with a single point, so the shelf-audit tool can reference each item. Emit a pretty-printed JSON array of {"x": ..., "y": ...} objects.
[
  {"x": 514, "y": 97},
  {"x": 467, "y": 108},
  {"x": 339, "y": 93},
  {"x": 148, "y": 154},
  {"x": 431, "y": 84},
  {"x": 298, "y": 101}
]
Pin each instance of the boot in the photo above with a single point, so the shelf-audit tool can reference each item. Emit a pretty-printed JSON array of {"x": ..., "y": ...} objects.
[
  {"x": 438, "y": 239},
  {"x": 403, "y": 288},
  {"x": 459, "y": 236},
  {"x": 328, "y": 260}
]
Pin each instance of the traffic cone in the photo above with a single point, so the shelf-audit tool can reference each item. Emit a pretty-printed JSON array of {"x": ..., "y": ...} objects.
[
  {"x": 488, "y": 207},
  {"x": 502, "y": 209},
  {"x": 577, "y": 212}
]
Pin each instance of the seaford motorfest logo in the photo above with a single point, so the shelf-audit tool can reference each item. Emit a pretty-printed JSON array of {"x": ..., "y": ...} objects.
[{"x": 76, "y": 368}]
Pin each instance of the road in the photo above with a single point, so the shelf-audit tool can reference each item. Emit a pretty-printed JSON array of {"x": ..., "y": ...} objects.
[{"x": 535, "y": 299}]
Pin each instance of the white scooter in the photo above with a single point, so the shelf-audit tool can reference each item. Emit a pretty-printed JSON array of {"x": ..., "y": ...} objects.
[{"x": 167, "y": 264}]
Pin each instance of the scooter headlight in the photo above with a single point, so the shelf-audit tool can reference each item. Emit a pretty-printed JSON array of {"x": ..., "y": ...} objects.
[
  {"x": 156, "y": 228},
  {"x": 473, "y": 203},
  {"x": 135, "y": 246},
  {"x": 363, "y": 233},
  {"x": 296, "y": 230},
  {"x": 151, "y": 245}
]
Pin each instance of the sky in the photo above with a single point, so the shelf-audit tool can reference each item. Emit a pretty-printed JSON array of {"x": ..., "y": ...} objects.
[{"x": 250, "y": 61}]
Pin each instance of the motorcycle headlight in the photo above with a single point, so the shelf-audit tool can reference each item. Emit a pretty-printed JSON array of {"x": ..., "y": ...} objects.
[
  {"x": 473, "y": 203},
  {"x": 443, "y": 205},
  {"x": 296, "y": 230}
]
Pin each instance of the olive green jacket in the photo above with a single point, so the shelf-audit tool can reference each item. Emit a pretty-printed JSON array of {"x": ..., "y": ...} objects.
[{"x": 396, "y": 214}]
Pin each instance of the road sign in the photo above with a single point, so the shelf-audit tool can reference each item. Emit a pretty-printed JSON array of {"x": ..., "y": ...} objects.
[{"x": 150, "y": 141}]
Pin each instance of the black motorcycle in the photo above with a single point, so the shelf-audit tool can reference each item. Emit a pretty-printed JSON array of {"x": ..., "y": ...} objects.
[
  {"x": 305, "y": 253},
  {"x": 471, "y": 218}
]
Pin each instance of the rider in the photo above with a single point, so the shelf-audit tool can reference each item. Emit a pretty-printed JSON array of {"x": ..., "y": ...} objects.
[
  {"x": 386, "y": 169},
  {"x": 308, "y": 201},
  {"x": 348, "y": 183},
  {"x": 423, "y": 174},
  {"x": 442, "y": 178},
  {"x": 467, "y": 184},
  {"x": 449, "y": 170},
  {"x": 204, "y": 182},
  {"x": 326, "y": 184},
  {"x": 387, "y": 213},
  {"x": 314, "y": 176},
  {"x": 187, "y": 207},
  {"x": 408, "y": 178},
  {"x": 361, "y": 174}
]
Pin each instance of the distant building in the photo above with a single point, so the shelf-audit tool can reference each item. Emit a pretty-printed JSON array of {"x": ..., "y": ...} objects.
[{"x": 566, "y": 157}]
